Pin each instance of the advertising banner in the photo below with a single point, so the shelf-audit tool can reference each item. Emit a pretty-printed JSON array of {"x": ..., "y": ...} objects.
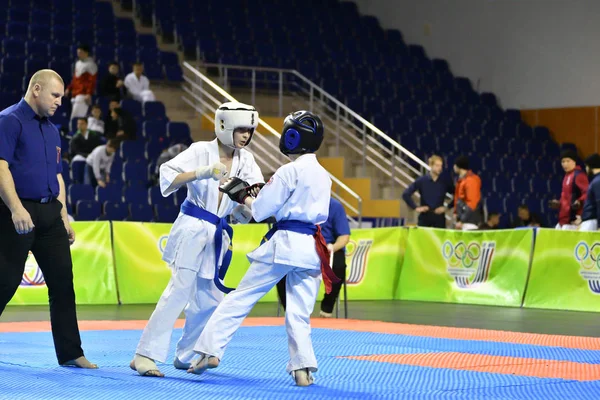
[
  {"x": 474, "y": 267},
  {"x": 93, "y": 270},
  {"x": 142, "y": 275},
  {"x": 565, "y": 273}
]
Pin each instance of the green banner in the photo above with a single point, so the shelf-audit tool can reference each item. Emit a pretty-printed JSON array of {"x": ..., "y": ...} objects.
[
  {"x": 142, "y": 275},
  {"x": 565, "y": 273},
  {"x": 476, "y": 267},
  {"x": 373, "y": 263},
  {"x": 93, "y": 271}
]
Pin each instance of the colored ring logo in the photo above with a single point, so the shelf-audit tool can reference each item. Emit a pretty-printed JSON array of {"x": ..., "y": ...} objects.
[
  {"x": 162, "y": 243},
  {"x": 588, "y": 257},
  {"x": 461, "y": 255}
]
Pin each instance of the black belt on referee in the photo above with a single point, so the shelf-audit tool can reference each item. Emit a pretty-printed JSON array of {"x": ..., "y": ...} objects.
[{"x": 43, "y": 200}]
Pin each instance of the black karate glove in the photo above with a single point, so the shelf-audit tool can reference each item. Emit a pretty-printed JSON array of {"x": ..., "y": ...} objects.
[{"x": 237, "y": 189}]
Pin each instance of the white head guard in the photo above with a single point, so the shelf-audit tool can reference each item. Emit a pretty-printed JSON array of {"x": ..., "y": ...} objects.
[{"x": 232, "y": 115}]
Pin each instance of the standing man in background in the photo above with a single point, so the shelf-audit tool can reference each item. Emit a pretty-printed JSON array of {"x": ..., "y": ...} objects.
[
  {"x": 591, "y": 207},
  {"x": 574, "y": 191},
  {"x": 336, "y": 232},
  {"x": 467, "y": 199},
  {"x": 432, "y": 188},
  {"x": 33, "y": 213}
]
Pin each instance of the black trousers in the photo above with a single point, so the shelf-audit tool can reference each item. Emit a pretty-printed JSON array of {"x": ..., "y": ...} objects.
[
  {"x": 339, "y": 269},
  {"x": 432, "y": 220},
  {"x": 49, "y": 243}
]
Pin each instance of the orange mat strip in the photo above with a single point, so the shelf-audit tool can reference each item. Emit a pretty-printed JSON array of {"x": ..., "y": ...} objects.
[
  {"x": 493, "y": 364},
  {"x": 575, "y": 342}
]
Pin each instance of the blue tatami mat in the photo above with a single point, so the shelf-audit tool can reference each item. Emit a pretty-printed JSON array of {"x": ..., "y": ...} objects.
[{"x": 254, "y": 368}]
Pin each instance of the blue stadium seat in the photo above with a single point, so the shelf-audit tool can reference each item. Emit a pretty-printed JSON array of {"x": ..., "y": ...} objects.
[
  {"x": 38, "y": 31},
  {"x": 511, "y": 204},
  {"x": 79, "y": 191},
  {"x": 526, "y": 166},
  {"x": 135, "y": 195},
  {"x": 155, "y": 148},
  {"x": 115, "y": 211},
  {"x": 502, "y": 184},
  {"x": 555, "y": 187},
  {"x": 541, "y": 133},
  {"x": 133, "y": 107},
  {"x": 513, "y": 115},
  {"x": 17, "y": 30},
  {"x": 179, "y": 132},
  {"x": 87, "y": 210},
  {"x": 78, "y": 171},
  {"x": 141, "y": 213},
  {"x": 180, "y": 196},
  {"x": 12, "y": 47},
  {"x": 132, "y": 151},
  {"x": 539, "y": 185},
  {"x": 167, "y": 214},
  {"x": 111, "y": 193},
  {"x": 135, "y": 172},
  {"x": 494, "y": 204},
  {"x": 169, "y": 58},
  {"x": 154, "y": 110},
  {"x": 174, "y": 73},
  {"x": 520, "y": 184},
  {"x": 156, "y": 197},
  {"x": 13, "y": 65},
  {"x": 546, "y": 167}
]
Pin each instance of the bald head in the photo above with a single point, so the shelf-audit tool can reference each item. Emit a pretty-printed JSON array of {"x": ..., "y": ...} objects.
[
  {"x": 43, "y": 77},
  {"x": 45, "y": 92}
]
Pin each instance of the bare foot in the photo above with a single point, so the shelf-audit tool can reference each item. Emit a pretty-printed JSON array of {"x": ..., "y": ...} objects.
[{"x": 80, "y": 362}]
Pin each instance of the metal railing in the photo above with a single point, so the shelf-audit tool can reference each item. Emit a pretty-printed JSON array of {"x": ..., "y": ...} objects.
[
  {"x": 369, "y": 145},
  {"x": 205, "y": 96}
]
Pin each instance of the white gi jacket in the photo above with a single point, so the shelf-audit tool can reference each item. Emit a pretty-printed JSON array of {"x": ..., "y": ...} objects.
[
  {"x": 300, "y": 191},
  {"x": 190, "y": 244}
]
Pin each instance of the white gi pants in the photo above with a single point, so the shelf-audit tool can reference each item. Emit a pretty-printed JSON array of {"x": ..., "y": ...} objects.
[
  {"x": 589, "y": 226},
  {"x": 79, "y": 106},
  {"x": 202, "y": 298},
  {"x": 566, "y": 227},
  {"x": 144, "y": 96},
  {"x": 302, "y": 286}
]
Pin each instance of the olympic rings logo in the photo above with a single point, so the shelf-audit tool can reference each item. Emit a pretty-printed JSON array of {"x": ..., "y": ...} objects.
[
  {"x": 162, "y": 243},
  {"x": 461, "y": 254},
  {"x": 588, "y": 256}
]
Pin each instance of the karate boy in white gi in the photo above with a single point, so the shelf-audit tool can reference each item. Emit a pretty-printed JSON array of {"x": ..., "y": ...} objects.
[
  {"x": 298, "y": 196},
  {"x": 198, "y": 246}
]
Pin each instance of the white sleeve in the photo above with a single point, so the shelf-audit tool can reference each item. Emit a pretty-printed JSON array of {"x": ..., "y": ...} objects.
[
  {"x": 185, "y": 161},
  {"x": 271, "y": 198},
  {"x": 96, "y": 163},
  {"x": 131, "y": 85}
]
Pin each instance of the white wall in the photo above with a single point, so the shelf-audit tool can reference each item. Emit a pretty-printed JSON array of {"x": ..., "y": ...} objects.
[{"x": 530, "y": 53}]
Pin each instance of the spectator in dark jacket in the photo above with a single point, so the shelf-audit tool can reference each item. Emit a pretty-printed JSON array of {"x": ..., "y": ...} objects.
[
  {"x": 120, "y": 125},
  {"x": 526, "y": 218},
  {"x": 83, "y": 142},
  {"x": 112, "y": 85},
  {"x": 591, "y": 207},
  {"x": 433, "y": 189},
  {"x": 493, "y": 221}
]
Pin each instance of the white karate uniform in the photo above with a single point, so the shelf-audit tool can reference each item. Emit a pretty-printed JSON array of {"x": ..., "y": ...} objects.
[
  {"x": 96, "y": 125},
  {"x": 190, "y": 252},
  {"x": 79, "y": 103},
  {"x": 298, "y": 191},
  {"x": 139, "y": 88}
]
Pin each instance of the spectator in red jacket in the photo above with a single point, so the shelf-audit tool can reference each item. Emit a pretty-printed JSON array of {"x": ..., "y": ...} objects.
[
  {"x": 574, "y": 192},
  {"x": 83, "y": 84}
]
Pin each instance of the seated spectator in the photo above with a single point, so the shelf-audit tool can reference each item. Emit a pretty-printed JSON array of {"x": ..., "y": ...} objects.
[
  {"x": 83, "y": 84},
  {"x": 526, "y": 218},
  {"x": 95, "y": 122},
  {"x": 112, "y": 85},
  {"x": 138, "y": 86},
  {"x": 492, "y": 222},
  {"x": 99, "y": 163},
  {"x": 83, "y": 142},
  {"x": 166, "y": 155},
  {"x": 120, "y": 125}
]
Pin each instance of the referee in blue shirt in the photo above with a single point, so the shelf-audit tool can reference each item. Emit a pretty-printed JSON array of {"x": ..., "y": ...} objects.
[
  {"x": 432, "y": 188},
  {"x": 33, "y": 215},
  {"x": 336, "y": 232}
]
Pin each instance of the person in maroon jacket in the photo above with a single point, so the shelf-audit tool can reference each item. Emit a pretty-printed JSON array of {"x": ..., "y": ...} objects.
[{"x": 574, "y": 191}]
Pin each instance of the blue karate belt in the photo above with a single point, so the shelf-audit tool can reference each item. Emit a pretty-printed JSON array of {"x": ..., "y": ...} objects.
[
  {"x": 188, "y": 208},
  {"x": 306, "y": 228}
]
